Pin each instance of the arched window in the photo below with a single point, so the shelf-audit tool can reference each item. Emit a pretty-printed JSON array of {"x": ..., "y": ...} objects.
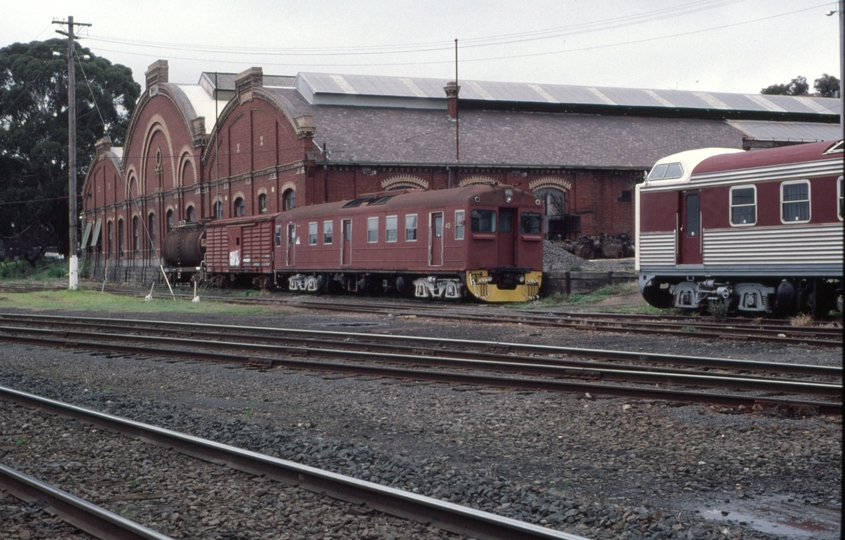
[
  {"x": 290, "y": 199},
  {"x": 110, "y": 237},
  {"x": 120, "y": 237},
  {"x": 218, "y": 210},
  {"x": 189, "y": 215},
  {"x": 262, "y": 203},
  {"x": 136, "y": 234},
  {"x": 239, "y": 206},
  {"x": 169, "y": 220},
  {"x": 151, "y": 227}
]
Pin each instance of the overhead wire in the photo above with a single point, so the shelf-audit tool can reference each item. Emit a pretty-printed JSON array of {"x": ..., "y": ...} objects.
[{"x": 306, "y": 52}]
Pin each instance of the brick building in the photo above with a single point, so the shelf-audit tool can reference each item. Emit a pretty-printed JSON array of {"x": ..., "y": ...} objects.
[{"x": 249, "y": 144}]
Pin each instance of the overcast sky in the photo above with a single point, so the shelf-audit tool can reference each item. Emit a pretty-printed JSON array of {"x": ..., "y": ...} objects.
[{"x": 713, "y": 45}]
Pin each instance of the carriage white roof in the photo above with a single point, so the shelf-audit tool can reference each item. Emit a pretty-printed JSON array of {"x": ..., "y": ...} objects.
[{"x": 687, "y": 161}]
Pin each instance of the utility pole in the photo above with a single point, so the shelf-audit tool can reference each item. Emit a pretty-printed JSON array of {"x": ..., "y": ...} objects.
[{"x": 73, "y": 274}]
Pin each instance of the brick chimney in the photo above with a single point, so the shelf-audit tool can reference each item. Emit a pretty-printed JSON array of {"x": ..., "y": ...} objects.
[
  {"x": 102, "y": 146},
  {"x": 246, "y": 81},
  {"x": 157, "y": 73},
  {"x": 452, "y": 89}
]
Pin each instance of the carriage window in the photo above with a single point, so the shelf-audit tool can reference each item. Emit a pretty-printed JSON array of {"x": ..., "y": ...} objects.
[
  {"x": 530, "y": 223},
  {"x": 693, "y": 216},
  {"x": 328, "y": 230},
  {"x": 795, "y": 201},
  {"x": 411, "y": 228},
  {"x": 483, "y": 221},
  {"x": 372, "y": 229},
  {"x": 840, "y": 187},
  {"x": 460, "y": 224},
  {"x": 277, "y": 238},
  {"x": 312, "y": 233},
  {"x": 391, "y": 227},
  {"x": 743, "y": 205}
]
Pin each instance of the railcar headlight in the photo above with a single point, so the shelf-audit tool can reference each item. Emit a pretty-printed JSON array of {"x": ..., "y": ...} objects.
[{"x": 508, "y": 195}]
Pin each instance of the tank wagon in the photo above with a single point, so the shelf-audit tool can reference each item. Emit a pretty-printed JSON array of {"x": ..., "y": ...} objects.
[
  {"x": 484, "y": 241},
  {"x": 755, "y": 231}
]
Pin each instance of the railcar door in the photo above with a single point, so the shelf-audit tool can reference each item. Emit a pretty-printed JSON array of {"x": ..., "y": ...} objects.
[
  {"x": 690, "y": 230},
  {"x": 290, "y": 252},
  {"x": 435, "y": 239},
  {"x": 234, "y": 247},
  {"x": 507, "y": 244},
  {"x": 346, "y": 242}
]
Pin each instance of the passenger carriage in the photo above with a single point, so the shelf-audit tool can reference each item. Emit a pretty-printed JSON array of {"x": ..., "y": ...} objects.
[{"x": 755, "y": 231}]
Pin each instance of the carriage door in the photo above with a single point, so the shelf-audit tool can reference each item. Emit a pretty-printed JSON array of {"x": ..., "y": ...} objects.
[
  {"x": 345, "y": 242},
  {"x": 507, "y": 244},
  {"x": 234, "y": 247},
  {"x": 689, "y": 235},
  {"x": 290, "y": 252},
  {"x": 435, "y": 239}
]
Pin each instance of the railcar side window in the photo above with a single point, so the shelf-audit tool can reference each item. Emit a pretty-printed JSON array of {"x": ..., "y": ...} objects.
[
  {"x": 841, "y": 189},
  {"x": 795, "y": 201},
  {"x": 372, "y": 229},
  {"x": 411, "y": 228},
  {"x": 328, "y": 229},
  {"x": 277, "y": 238},
  {"x": 312, "y": 233},
  {"x": 743, "y": 205},
  {"x": 460, "y": 224},
  {"x": 530, "y": 223},
  {"x": 483, "y": 221},
  {"x": 391, "y": 227}
]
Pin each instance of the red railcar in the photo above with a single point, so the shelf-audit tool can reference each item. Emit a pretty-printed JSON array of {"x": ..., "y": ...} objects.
[
  {"x": 755, "y": 231},
  {"x": 480, "y": 240}
]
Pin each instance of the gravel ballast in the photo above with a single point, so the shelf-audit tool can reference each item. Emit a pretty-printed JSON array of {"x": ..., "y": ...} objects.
[{"x": 600, "y": 468}]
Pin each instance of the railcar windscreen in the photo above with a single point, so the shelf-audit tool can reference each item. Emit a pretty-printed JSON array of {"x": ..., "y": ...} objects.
[
  {"x": 530, "y": 223},
  {"x": 666, "y": 171},
  {"x": 483, "y": 221}
]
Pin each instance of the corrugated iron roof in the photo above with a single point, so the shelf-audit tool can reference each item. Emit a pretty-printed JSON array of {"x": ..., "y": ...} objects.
[{"x": 320, "y": 88}]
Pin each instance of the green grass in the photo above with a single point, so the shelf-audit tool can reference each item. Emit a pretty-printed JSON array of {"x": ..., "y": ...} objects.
[
  {"x": 105, "y": 302},
  {"x": 626, "y": 290},
  {"x": 41, "y": 271}
]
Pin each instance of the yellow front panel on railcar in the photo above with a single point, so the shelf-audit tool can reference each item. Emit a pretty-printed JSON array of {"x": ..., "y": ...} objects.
[{"x": 479, "y": 285}]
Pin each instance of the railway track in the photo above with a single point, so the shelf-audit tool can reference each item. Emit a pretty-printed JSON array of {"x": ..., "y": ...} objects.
[
  {"x": 396, "y": 502},
  {"x": 734, "y": 328},
  {"x": 506, "y": 365}
]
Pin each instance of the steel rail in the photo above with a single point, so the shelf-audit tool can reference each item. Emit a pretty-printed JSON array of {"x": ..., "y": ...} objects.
[
  {"x": 695, "y": 361},
  {"x": 93, "y": 519},
  {"x": 615, "y": 374},
  {"x": 442, "y": 514},
  {"x": 474, "y": 379},
  {"x": 436, "y": 355}
]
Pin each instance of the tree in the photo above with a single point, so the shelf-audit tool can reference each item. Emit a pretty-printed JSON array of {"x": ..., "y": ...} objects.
[
  {"x": 827, "y": 86},
  {"x": 34, "y": 129},
  {"x": 796, "y": 87}
]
